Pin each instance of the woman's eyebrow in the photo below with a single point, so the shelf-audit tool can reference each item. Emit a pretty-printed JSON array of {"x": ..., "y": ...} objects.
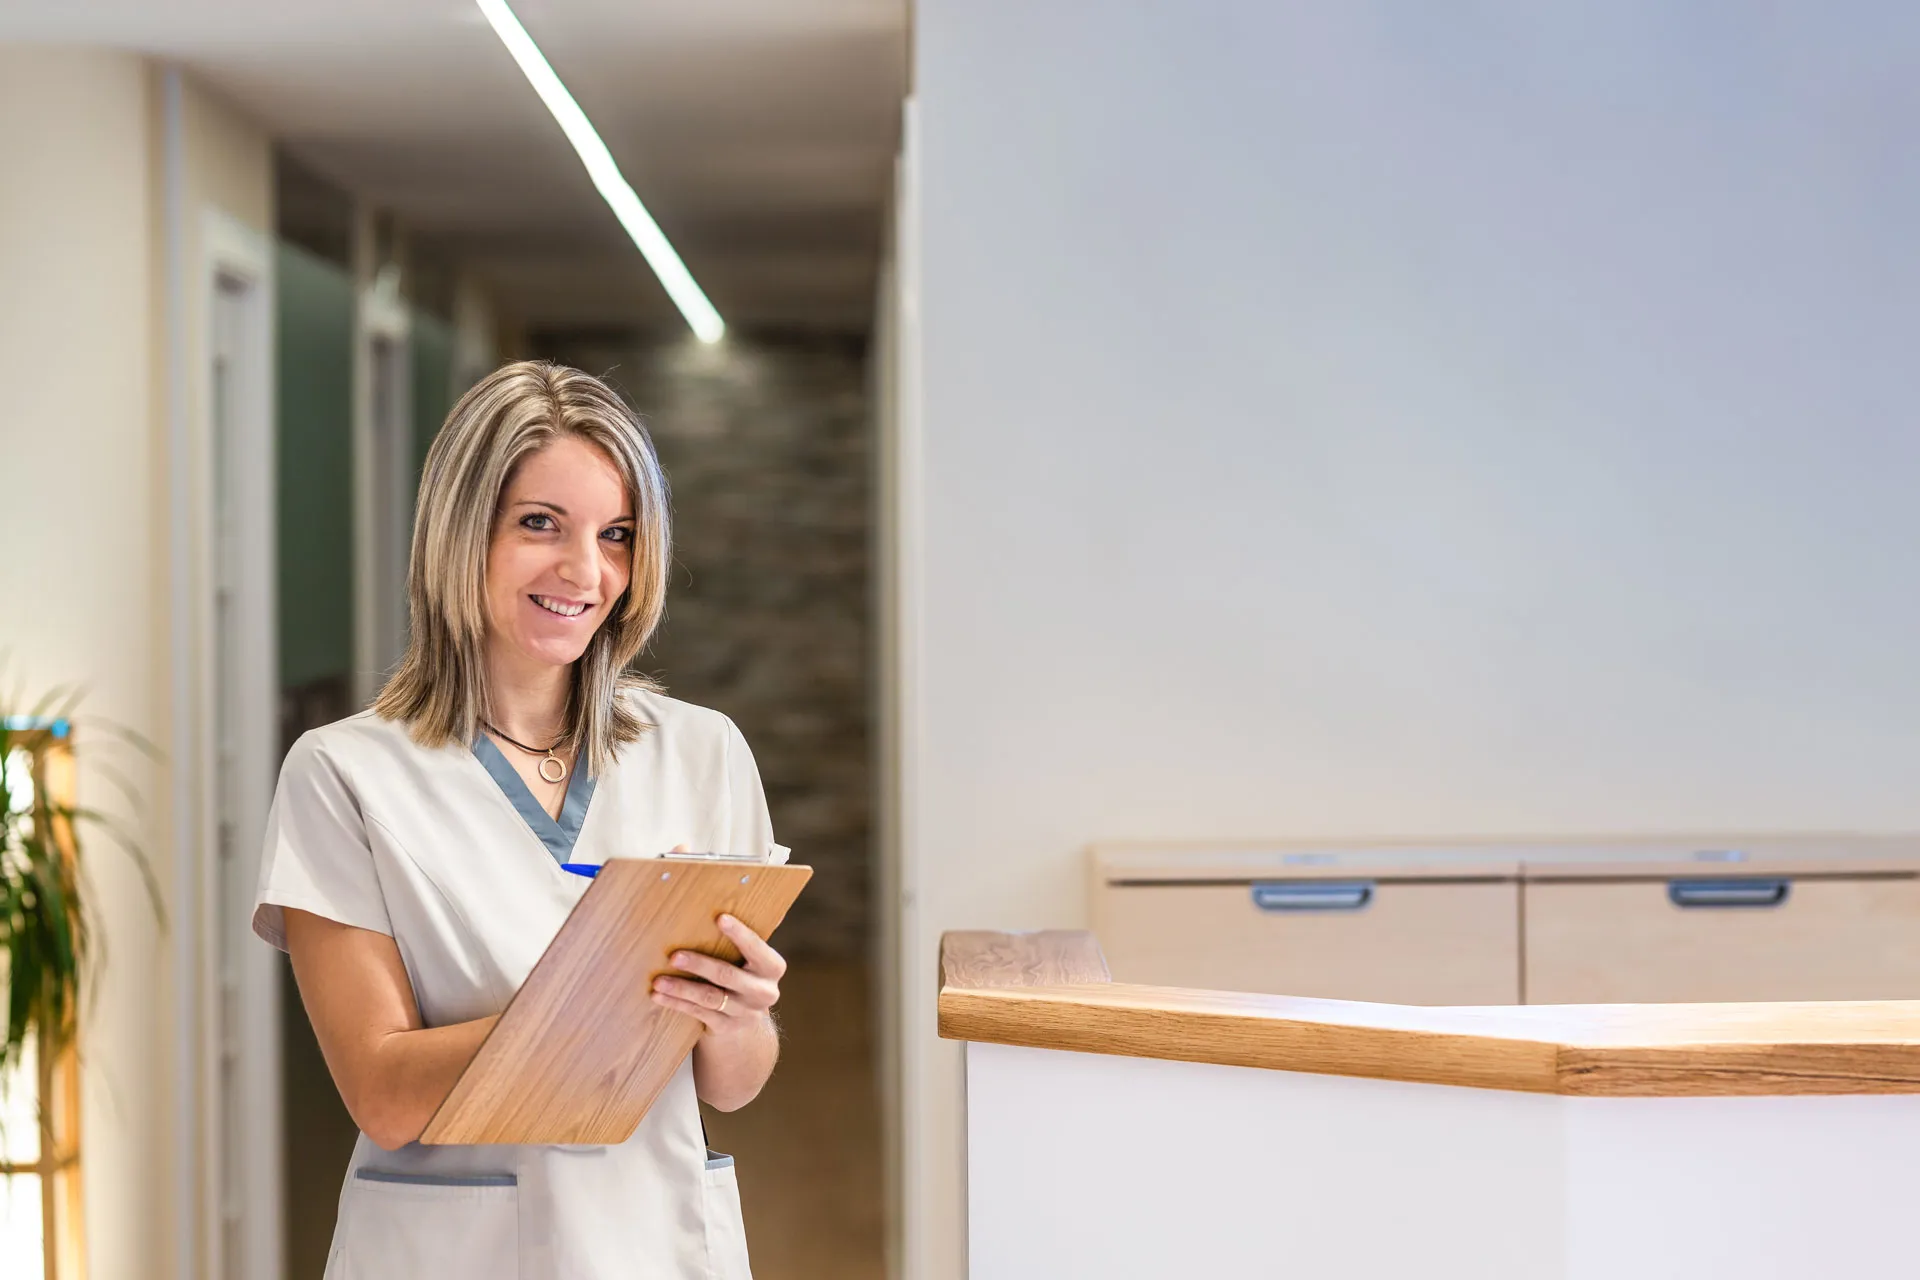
[{"x": 559, "y": 510}]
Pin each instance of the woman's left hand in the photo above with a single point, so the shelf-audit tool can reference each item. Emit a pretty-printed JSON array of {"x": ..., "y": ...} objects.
[{"x": 727, "y": 998}]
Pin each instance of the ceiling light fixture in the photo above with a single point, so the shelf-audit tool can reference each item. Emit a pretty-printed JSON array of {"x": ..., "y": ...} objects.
[{"x": 593, "y": 153}]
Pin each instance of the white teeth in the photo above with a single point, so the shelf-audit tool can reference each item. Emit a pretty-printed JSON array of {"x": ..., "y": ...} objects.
[{"x": 564, "y": 610}]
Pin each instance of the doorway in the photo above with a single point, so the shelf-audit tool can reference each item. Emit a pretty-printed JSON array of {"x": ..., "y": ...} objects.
[{"x": 766, "y": 442}]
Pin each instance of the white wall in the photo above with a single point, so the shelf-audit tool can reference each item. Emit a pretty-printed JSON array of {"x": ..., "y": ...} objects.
[
  {"x": 1395, "y": 419},
  {"x": 84, "y": 569}
]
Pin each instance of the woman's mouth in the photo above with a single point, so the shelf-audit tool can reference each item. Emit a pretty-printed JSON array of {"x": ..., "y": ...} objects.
[{"x": 562, "y": 608}]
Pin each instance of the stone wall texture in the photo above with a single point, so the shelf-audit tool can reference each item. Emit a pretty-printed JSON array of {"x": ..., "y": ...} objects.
[{"x": 766, "y": 443}]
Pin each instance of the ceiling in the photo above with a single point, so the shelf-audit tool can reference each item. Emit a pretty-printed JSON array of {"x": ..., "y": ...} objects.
[{"x": 760, "y": 133}]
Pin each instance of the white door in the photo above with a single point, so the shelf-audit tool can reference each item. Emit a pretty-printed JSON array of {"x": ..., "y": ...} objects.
[{"x": 240, "y": 1067}]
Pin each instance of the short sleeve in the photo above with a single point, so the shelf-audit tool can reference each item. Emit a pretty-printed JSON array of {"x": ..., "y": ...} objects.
[
  {"x": 317, "y": 857},
  {"x": 749, "y": 825}
]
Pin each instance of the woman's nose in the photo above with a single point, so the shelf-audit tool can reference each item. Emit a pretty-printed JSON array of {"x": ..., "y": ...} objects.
[{"x": 579, "y": 561}]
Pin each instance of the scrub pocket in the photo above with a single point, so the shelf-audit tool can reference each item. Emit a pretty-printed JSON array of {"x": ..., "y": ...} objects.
[
  {"x": 402, "y": 1226},
  {"x": 726, "y": 1230}
]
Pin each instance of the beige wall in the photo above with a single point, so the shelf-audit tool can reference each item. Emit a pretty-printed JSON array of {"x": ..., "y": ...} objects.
[
  {"x": 229, "y": 158},
  {"x": 85, "y": 566},
  {"x": 87, "y": 574}
]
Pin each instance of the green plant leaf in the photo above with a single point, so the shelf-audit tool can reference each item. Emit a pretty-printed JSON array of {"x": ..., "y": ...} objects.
[
  {"x": 119, "y": 781},
  {"x": 112, "y": 829},
  {"x": 129, "y": 736},
  {"x": 50, "y": 956},
  {"x": 71, "y": 693}
]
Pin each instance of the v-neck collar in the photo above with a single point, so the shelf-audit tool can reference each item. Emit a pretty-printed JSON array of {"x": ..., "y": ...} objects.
[{"x": 559, "y": 836}]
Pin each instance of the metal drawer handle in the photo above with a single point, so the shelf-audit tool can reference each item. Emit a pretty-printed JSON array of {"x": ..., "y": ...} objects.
[
  {"x": 1728, "y": 893},
  {"x": 1312, "y": 895}
]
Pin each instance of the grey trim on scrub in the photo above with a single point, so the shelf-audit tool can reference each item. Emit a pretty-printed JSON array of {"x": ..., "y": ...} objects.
[
  {"x": 717, "y": 1161},
  {"x": 559, "y": 836},
  {"x": 439, "y": 1179}
]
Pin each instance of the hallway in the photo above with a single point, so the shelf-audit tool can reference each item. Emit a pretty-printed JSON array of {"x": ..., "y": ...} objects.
[{"x": 276, "y": 242}]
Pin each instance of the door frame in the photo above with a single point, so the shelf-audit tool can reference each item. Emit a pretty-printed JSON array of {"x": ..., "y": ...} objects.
[
  {"x": 905, "y": 980},
  {"x": 237, "y": 258}
]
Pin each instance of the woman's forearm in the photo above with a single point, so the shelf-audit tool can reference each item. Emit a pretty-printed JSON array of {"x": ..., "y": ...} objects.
[
  {"x": 392, "y": 1073},
  {"x": 408, "y": 1074},
  {"x": 730, "y": 1069}
]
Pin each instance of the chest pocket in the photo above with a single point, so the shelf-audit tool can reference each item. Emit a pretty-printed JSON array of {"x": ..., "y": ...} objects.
[{"x": 401, "y": 1226}]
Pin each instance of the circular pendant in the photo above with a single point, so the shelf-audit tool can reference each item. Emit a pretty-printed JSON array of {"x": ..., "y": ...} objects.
[{"x": 559, "y": 773}]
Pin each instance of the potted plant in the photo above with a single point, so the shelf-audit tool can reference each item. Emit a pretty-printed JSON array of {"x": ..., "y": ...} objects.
[{"x": 50, "y": 955}]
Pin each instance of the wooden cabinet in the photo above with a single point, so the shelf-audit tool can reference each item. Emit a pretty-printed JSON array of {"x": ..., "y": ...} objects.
[
  {"x": 1356, "y": 928},
  {"x": 1691, "y": 938},
  {"x": 1621, "y": 922}
]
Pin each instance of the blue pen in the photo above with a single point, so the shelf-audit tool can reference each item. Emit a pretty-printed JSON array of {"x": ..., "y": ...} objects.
[{"x": 587, "y": 869}]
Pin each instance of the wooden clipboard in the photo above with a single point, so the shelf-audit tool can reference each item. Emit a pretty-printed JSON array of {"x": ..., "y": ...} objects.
[{"x": 581, "y": 1051}]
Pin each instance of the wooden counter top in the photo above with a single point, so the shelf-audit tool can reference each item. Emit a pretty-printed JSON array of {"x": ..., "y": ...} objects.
[{"x": 1051, "y": 991}]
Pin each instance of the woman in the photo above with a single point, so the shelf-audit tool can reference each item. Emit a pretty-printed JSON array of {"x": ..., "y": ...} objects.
[{"x": 417, "y": 855}]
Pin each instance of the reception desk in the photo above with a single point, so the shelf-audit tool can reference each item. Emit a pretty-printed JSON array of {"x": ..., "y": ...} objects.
[{"x": 1131, "y": 1131}]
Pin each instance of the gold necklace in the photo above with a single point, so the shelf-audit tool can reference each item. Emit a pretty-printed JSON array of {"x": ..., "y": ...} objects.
[{"x": 560, "y": 766}]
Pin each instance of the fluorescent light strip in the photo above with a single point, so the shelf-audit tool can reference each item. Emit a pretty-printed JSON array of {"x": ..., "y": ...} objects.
[{"x": 593, "y": 153}]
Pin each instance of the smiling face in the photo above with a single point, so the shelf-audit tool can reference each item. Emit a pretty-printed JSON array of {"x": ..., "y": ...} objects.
[{"x": 560, "y": 556}]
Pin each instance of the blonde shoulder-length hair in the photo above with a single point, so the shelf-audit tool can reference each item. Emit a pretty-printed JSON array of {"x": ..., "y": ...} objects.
[{"x": 439, "y": 691}]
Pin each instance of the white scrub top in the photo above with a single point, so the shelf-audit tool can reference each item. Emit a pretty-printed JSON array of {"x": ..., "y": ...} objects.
[{"x": 437, "y": 850}]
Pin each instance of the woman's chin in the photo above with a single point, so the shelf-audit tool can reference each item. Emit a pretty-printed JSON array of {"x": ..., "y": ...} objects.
[{"x": 554, "y": 651}]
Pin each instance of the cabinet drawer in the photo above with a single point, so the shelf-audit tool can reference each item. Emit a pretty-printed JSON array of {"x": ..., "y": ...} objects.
[
  {"x": 1422, "y": 942},
  {"x": 1637, "y": 941}
]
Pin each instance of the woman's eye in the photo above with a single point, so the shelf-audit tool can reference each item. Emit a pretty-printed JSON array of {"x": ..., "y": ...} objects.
[
  {"x": 527, "y": 522},
  {"x": 619, "y": 534}
]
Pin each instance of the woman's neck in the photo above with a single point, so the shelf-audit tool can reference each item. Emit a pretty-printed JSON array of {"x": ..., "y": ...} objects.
[{"x": 529, "y": 698}]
